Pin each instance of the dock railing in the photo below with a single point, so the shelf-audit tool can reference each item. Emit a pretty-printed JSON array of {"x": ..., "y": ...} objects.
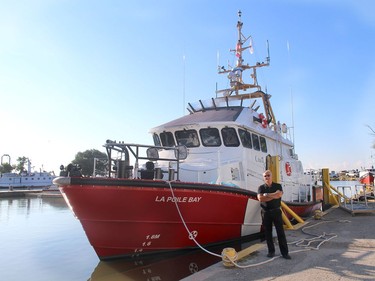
[{"x": 355, "y": 199}]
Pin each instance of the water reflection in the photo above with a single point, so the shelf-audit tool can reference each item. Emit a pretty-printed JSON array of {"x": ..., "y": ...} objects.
[
  {"x": 162, "y": 267},
  {"x": 55, "y": 202},
  {"x": 25, "y": 205}
]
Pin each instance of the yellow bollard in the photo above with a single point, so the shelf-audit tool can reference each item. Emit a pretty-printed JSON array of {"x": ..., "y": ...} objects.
[
  {"x": 229, "y": 255},
  {"x": 318, "y": 214}
]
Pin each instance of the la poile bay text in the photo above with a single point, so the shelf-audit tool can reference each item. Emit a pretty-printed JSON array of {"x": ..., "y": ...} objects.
[{"x": 186, "y": 199}]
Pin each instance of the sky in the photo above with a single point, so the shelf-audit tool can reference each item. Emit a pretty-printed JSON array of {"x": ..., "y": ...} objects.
[{"x": 76, "y": 73}]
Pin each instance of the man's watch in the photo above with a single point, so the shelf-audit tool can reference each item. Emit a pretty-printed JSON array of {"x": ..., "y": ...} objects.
[{"x": 265, "y": 194}]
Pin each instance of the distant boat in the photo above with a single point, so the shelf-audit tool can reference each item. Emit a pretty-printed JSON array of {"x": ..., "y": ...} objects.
[
  {"x": 366, "y": 176},
  {"x": 197, "y": 185},
  {"x": 27, "y": 180}
]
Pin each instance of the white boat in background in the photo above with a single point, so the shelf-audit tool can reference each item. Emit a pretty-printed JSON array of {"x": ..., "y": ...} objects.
[{"x": 27, "y": 180}]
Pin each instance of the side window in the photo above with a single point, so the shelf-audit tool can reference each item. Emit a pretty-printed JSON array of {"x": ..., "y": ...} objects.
[
  {"x": 167, "y": 139},
  {"x": 230, "y": 137},
  {"x": 156, "y": 140},
  {"x": 256, "y": 144},
  {"x": 263, "y": 144},
  {"x": 189, "y": 138},
  {"x": 245, "y": 138},
  {"x": 210, "y": 137}
]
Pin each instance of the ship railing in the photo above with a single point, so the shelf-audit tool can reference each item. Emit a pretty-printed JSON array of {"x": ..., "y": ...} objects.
[{"x": 121, "y": 168}]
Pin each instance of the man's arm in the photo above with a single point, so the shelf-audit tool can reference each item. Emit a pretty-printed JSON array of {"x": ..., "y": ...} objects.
[{"x": 265, "y": 197}]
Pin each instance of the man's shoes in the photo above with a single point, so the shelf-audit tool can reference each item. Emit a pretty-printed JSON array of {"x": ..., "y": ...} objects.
[
  {"x": 270, "y": 255},
  {"x": 287, "y": 257}
]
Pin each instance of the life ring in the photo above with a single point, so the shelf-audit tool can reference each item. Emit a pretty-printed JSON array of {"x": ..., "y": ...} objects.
[
  {"x": 264, "y": 120},
  {"x": 288, "y": 169}
]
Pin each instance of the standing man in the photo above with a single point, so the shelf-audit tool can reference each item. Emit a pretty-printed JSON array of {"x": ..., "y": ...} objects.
[{"x": 269, "y": 195}]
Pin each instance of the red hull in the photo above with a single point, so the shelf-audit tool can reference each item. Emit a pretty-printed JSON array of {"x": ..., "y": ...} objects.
[{"x": 138, "y": 217}]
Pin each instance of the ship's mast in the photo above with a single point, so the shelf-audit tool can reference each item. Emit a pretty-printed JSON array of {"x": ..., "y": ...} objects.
[{"x": 235, "y": 74}]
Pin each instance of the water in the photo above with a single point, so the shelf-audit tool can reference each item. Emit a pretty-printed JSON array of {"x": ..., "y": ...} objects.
[{"x": 42, "y": 240}]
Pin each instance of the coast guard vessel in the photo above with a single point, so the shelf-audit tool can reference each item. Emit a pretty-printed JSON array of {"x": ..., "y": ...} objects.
[{"x": 197, "y": 184}]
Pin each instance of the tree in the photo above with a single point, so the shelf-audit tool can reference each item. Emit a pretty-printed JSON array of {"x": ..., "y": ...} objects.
[
  {"x": 6, "y": 168},
  {"x": 86, "y": 161},
  {"x": 21, "y": 163}
]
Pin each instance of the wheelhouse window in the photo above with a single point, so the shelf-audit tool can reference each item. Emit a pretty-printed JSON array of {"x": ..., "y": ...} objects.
[
  {"x": 245, "y": 137},
  {"x": 263, "y": 144},
  {"x": 156, "y": 140},
  {"x": 230, "y": 137},
  {"x": 189, "y": 138},
  {"x": 210, "y": 137},
  {"x": 256, "y": 144},
  {"x": 167, "y": 139}
]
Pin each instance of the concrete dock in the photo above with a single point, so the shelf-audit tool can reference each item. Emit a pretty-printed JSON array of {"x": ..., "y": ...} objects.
[{"x": 347, "y": 254}]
